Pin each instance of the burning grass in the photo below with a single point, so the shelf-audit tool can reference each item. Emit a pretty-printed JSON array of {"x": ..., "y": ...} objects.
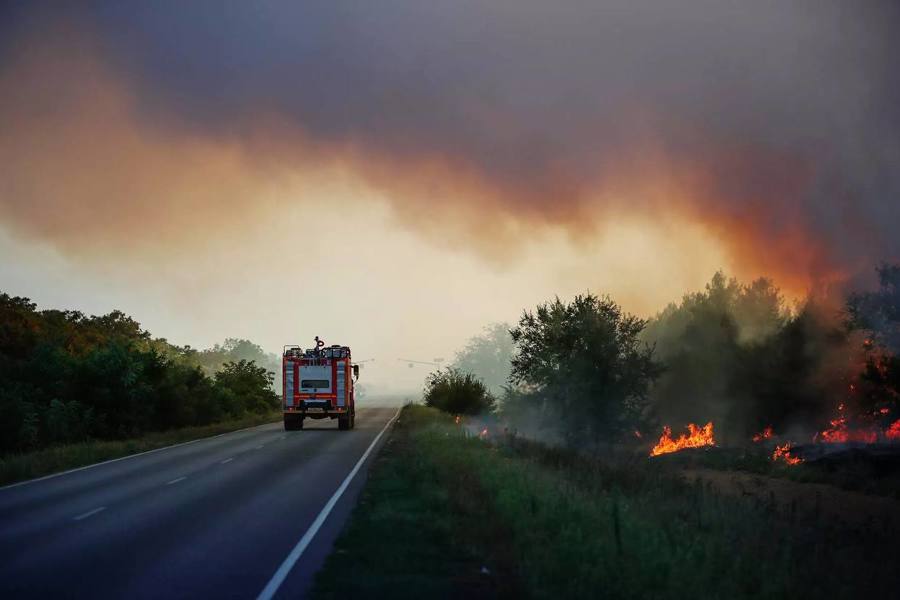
[
  {"x": 783, "y": 453},
  {"x": 448, "y": 513},
  {"x": 696, "y": 437}
]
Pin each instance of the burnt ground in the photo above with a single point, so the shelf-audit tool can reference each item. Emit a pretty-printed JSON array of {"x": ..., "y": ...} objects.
[{"x": 805, "y": 499}]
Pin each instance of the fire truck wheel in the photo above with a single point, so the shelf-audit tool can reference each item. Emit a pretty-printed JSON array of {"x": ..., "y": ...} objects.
[{"x": 343, "y": 423}]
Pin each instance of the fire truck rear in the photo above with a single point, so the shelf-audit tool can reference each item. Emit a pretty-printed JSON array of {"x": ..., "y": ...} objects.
[{"x": 318, "y": 384}]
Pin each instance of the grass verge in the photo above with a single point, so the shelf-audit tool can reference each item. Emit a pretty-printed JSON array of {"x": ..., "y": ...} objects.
[
  {"x": 445, "y": 514},
  {"x": 19, "y": 467}
]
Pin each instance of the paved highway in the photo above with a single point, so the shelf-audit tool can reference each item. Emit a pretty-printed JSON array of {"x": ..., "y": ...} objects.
[{"x": 219, "y": 517}]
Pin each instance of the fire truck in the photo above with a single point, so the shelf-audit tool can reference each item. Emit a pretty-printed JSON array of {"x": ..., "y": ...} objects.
[{"x": 318, "y": 384}]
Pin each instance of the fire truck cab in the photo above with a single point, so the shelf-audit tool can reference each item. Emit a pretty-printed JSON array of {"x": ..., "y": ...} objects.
[{"x": 318, "y": 384}]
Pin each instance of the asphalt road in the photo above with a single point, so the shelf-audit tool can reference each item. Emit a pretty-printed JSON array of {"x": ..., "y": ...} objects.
[{"x": 212, "y": 518}]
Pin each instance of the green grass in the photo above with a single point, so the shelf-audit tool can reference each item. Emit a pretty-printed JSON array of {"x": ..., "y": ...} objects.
[
  {"x": 19, "y": 467},
  {"x": 448, "y": 515}
]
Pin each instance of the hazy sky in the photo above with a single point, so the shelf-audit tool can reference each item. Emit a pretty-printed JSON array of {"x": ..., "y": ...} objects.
[{"x": 394, "y": 175}]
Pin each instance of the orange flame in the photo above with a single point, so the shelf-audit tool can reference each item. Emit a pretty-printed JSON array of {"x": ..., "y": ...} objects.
[
  {"x": 697, "y": 437},
  {"x": 784, "y": 453},
  {"x": 763, "y": 435},
  {"x": 893, "y": 432},
  {"x": 838, "y": 433}
]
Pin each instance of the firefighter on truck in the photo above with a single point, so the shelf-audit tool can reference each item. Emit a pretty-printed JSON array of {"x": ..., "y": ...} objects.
[{"x": 318, "y": 384}]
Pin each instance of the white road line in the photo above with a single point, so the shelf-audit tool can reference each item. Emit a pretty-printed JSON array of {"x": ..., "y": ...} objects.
[
  {"x": 227, "y": 460},
  {"x": 176, "y": 480},
  {"x": 106, "y": 462},
  {"x": 259, "y": 447},
  {"x": 89, "y": 513},
  {"x": 295, "y": 554}
]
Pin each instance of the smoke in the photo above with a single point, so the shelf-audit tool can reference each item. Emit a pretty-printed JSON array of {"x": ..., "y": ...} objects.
[{"x": 771, "y": 124}]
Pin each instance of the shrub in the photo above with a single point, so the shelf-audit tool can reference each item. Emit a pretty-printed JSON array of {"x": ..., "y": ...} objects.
[{"x": 459, "y": 393}]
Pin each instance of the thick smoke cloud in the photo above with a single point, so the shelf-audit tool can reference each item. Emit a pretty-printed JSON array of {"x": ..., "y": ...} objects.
[{"x": 774, "y": 123}]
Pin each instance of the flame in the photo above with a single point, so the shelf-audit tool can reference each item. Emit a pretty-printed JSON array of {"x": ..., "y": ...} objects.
[
  {"x": 457, "y": 419},
  {"x": 893, "y": 432},
  {"x": 784, "y": 453},
  {"x": 696, "y": 438},
  {"x": 839, "y": 433},
  {"x": 763, "y": 435}
]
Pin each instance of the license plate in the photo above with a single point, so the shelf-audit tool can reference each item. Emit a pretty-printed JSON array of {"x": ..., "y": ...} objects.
[{"x": 311, "y": 409}]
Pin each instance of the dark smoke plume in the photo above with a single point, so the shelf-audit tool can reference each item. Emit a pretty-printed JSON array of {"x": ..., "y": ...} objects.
[{"x": 774, "y": 123}]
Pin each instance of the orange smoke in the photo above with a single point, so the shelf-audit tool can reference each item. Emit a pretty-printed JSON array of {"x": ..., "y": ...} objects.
[{"x": 95, "y": 172}]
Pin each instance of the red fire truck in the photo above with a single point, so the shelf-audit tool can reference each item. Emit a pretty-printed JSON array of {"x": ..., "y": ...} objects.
[{"x": 318, "y": 384}]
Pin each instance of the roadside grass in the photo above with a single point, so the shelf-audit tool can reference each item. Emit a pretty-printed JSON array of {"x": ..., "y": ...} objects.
[
  {"x": 19, "y": 467},
  {"x": 412, "y": 535},
  {"x": 445, "y": 514}
]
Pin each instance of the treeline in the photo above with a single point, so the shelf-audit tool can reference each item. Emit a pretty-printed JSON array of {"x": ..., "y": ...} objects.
[
  {"x": 67, "y": 377},
  {"x": 732, "y": 353}
]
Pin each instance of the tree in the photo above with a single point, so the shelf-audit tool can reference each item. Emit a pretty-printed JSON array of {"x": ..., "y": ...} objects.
[
  {"x": 879, "y": 312},
  {"x": 488, "y": 356},
  {"x": 236, "y": 350},
  {"x": 459, "y": 393},
  {"x": 249, "y": 384},
  {"x": 583, "y": 363},
  {"x": 65, "y": 377}
]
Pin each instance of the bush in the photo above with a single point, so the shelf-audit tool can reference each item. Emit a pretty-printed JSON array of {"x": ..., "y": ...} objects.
[{"x": 458, "y": 393}]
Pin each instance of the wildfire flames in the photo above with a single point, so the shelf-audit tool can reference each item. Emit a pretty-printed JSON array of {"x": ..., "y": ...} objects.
[
  {"x": 763, "y": 435},
  {"x": 893, "y": 432},
  {"x": 783, "y": 453},
  {"x": 696, "y": 437},
  {"x": 840, "y": 433}
]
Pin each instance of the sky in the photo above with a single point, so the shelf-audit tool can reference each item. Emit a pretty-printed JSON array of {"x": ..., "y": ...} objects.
[{"x": 395, "y": 175}]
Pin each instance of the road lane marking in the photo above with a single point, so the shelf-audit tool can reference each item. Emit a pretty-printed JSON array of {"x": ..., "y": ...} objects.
[
  {"x": 259, "y": 447},
  {"x": 89, "y": 513},
  {"x": 281, "y": 574},
  {"x": 113, "y": 460},
  {"x": 176, "y": 480},
  {"x": 227, "y": 460}
]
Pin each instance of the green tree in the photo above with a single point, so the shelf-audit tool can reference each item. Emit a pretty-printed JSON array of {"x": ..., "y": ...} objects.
[
  {"x": 488, "y": 356},
  {"x": 65, "y": 377},
  {"x": 247, "y": 387},
  {"x": 455, "y": 392},
  {"x": 583, "y": 364}
]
